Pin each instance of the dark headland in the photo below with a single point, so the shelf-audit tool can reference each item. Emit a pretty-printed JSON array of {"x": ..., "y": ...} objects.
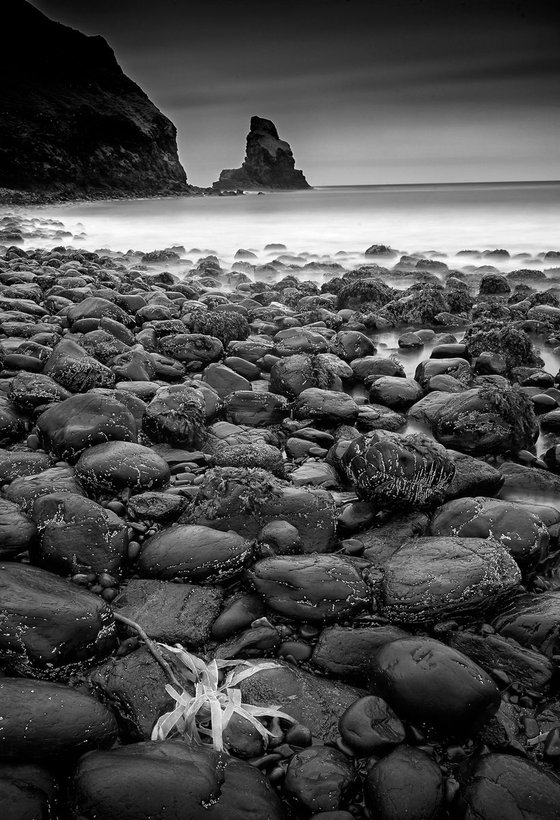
[{"x": 72, "y": 124}]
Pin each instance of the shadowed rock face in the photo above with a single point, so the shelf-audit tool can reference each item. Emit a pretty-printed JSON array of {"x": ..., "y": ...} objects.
[
  {"x": 269, "y": 163},
  {"x": 72, "y": 123}
]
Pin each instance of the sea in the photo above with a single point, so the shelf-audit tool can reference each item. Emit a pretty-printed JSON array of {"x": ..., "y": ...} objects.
[{"x": 432, "y": 220}]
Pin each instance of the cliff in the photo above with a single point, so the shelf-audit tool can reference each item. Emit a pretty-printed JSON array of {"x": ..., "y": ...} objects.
[
  {"x": 269, "y": 163},
  {"x": 72, "y": 124}
]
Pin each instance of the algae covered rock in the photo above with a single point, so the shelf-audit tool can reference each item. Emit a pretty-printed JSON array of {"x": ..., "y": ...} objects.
[{"x": 396, "y": 470}]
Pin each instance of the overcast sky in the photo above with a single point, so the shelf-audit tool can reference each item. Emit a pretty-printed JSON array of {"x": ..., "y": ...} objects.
[{"x": 364, "y": 91}]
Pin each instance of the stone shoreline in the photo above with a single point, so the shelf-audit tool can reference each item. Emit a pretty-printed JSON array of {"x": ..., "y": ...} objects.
[{"x": 233, "y": 459}]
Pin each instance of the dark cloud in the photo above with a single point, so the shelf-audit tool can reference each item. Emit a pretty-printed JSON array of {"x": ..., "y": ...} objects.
[{"x": 375, "y": 90}]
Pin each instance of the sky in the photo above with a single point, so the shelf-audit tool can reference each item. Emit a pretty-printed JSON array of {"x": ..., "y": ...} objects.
[{"x": 365, "y": 91}]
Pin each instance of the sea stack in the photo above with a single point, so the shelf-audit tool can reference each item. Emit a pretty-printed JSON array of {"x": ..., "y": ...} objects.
[
  {"x": 72, "y": 123},
  {"x": 269, "y": 163}
]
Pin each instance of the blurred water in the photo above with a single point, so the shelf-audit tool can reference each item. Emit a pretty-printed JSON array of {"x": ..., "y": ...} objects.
[{"x": 521, "y": 217}]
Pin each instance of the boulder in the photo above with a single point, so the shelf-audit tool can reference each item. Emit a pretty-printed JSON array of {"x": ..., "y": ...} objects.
[
  {"x": 533, "y": 621},
  {"x": 24, "y": 491},
  {"x": 395, "y": 392},
  {"x": 17, "y": 531},
  {"x": 325, "y": 406},
  {"x": 255, "y": 409},
  {"x": 119, "y": 465},
  {"x": 370, "y": 727},
  {"x": 397, "y": 470},
  {"x": 192, "y": 348},
  {"x": 291, "y": 375},
  {"x": 431, "y": 579},
  {"x": 315, "y": 702},
  {"x": 70, "y": 366},
  {"x": 520, "y": 530},
  {"x": 48, "y": 622},
  {"x": 318, "y": 779},
  {"x": 71, "y": 426},
  {"x": 21, "y": 463},
  {"x": 496, "y": 786},
  {"x": 31, "y": 390},
  {"x": 346, "y": 652},
  {"x": 434, "y": 687},
  {"x": 77, "y": 535},
  {"x": 48, "y": 721},
  {"x": 173, "y": 613},
  {"x": 194, "y": 553},
  {"x": 134, "y": 782},
  {"x": 176, "y": 416},
  {"x": 245, "y": 500},
  {"x": 405, "y": 783},
  {"x": 319, "y": 588}
]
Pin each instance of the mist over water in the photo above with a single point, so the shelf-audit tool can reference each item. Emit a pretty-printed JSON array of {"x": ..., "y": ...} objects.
[{"x": 521, "y": 217}]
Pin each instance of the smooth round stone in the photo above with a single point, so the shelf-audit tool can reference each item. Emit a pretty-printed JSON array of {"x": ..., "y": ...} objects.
[
  {"x": 44, "y": 721},
  {"x": 69, "y": 427},
  {"x": 17, "y": 532},
  {"x": 21, "y": 463},
  {"x": 435, "y": 687},
  {"x": 318, "y": 778},
  {"x": 118, "y": 465},
  {"x": 405, "y": 784},
  {"x": 238, "y": 613},
  {"x": 370, "y": 727},
  {"x": 134, "y": 782},
  {"x": 195, "y": 553},
  {"x": 499, "y": 786},
  {"x": 298, "y": 651},
  {"x": 433, "y": 578}
]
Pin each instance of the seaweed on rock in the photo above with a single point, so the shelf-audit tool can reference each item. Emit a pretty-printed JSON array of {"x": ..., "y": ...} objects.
[
  {"x": 359, "y": 293},
  {"x": 419, "y": 305},
  {"x": 513, "y": 344},
  {"x": 227, "y": 326}
]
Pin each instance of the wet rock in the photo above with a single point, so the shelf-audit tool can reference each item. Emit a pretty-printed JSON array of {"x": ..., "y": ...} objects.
[
  {"x": 192, "y": 347},
  {"x": 473, "y": 477},
  {"x": 311, "y": 587},
  {"x": 176, "y": 416},
  {"x": 430, "y": 579},
  {"x": 77, "y": 535},
  {"x": 133, "y": 687},
  {"x": 318, "y": 779},
  {"x": 370, "y": 727},
  {"x": 238, "y": 613},
  {"x": 486, "y": 420},
  {"x": 94, "y": 307},
  {"x": 299, "y": 340},
  {"x": 31, "y": 390},
  {"x": 194, "y": 553},
  {"x": 326, "y": 406},
  {"x": 134, "y": 782},
  {"x": 529, "y": 485},
  {"x": 173, "y": 613},
  {"x": 395, "y": 392},
  {"x": 224, "y": 380},
  {"x": 346, "y": 652},
  {"x": 459, "y": 368},
  {"x": 495, "y": 786},
  {"x": 48, "y": 622},
  {"x": 26, "y": 791},
  {"x": 71, "y": 426},
  {"x": 350, "y": 345},
  {"x": 515, "y": 526},
  {"x": 48, "y": 721},
  {"x": 118, "y": 465},
  {"x": 396, "y": 470},
  {"x": 255, "y": 409},
  {"x": 245, "y": 500},
  {"x": 528, "y": 668},
  {"x": 406, "y": 783},
  {"x": 11, "y": 425},
  {"x": 533, "y": 621},
  {"x": 434, "y": 687},
  {"x": 292, "y": 375},
  {"x": 315, "y": 702},
  {"x": 17, "y": 531},
  {"x": 381, "y": 542},
  {"x": 156, "y": 506},
  {"x": 24, "y": 491},
  {"x": 260, "y": 454},
  {"x": 21, "y": 463},
  {"x": 70, "y": 366}
]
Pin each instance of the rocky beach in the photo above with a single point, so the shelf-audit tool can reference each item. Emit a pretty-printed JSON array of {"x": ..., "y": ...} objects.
[{"x": 279, "y": 536}]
